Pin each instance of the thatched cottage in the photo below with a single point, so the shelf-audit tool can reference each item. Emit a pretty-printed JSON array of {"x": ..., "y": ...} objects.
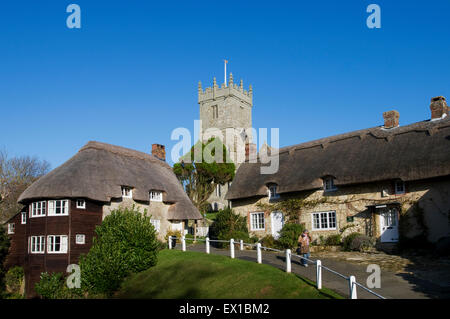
[
  {"x": 387, "y": 182},
  {"x": 63, "y": 207}
]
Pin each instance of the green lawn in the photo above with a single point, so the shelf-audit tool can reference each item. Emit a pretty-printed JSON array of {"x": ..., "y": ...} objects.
[{"x": 197, "y": 275}]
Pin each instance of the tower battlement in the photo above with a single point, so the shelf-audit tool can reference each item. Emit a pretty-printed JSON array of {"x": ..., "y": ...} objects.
[{"x": 231, "y": 90}]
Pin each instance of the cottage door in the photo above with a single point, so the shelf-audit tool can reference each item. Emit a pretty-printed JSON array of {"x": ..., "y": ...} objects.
[
  {"x": 389, "y": 225},
  {"x": 277, "y": 220}
]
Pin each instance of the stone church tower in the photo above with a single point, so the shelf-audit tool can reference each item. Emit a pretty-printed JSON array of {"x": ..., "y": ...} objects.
[{"x": 222, "y": 109}]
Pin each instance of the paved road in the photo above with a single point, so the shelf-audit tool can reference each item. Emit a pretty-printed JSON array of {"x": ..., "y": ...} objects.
[{"x": 392, "y": 285}]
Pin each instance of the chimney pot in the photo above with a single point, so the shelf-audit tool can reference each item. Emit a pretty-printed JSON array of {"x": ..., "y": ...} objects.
[
  {"x": 159, "y": 151},
  {"x": 391, "y": 119},
  {"x": 438, "y": 107}
]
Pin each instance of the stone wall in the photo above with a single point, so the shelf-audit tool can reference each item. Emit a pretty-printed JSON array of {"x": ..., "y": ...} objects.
[{"x": 432, "y": 196}]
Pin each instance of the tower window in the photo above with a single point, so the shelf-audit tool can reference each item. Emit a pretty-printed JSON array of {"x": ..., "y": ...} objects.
[{"x": 215, "y": 110}]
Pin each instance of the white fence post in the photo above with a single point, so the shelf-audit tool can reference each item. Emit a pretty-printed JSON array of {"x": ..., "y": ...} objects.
[
  {"x": 319, "y": 274},
  {"x": 207, "y": 245},
  {"x": 183, "y": 243},
  {"x": 241, "y": 247},
  {"x": 352, "y": 287},
  {"x": 258, "y": 253},
  {"x": 232, "y": 248},
  {"x": 170, "y": 242},
  {"x": 288, "y": 260}
]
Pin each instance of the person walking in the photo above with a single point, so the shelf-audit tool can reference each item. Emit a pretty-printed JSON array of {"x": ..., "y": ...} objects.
[{"x": 303, "y": 243}]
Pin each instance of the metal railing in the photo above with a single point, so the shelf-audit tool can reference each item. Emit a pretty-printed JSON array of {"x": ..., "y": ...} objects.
[{"x": 352, "y": 283}]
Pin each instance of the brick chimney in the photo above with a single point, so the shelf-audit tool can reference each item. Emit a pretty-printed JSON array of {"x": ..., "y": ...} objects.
[
  {"x": 250, "y": 151},
  {"x": 159, "y": 151},
  {"x": 391, "y": 119},
  {"x": 438, "y": 107}
]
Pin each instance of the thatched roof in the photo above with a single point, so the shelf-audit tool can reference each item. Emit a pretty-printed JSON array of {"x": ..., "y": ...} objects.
[
  {"x": 417, "y": 151},
  {"x": 99, "y": 170}
]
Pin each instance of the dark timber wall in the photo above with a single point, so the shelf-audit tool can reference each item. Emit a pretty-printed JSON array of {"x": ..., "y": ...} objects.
[{"x": 79, "y": 221}]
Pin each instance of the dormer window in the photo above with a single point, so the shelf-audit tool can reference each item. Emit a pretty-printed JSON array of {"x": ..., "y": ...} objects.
[
  {"x": 81, "y": 204},
  {"x": 399, "y": 187},
  {"x": 156, "y": 196},
  {"x": 127, "y": 192},
  {"x": 328, "y": 184},
  {"x": 273, "y": 192}
]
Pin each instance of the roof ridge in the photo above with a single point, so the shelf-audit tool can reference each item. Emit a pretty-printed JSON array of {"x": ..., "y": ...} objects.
[
  {"x": 424, "y": 126},
  {"x": 120, "y": 150}
]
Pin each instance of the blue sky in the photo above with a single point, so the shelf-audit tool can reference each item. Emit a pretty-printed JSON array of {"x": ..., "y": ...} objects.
[{"x": 129, "y": 75}]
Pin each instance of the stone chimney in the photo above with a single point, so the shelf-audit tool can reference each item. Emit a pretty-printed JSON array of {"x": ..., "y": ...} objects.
[
  {"x": 159, "y": 151},
  {"x": 438, "y": 107},
  {"x": 391, "y": 119}
]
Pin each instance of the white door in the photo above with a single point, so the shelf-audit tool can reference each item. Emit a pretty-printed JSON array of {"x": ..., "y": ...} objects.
[
  {"x": 277, "y": 220},
  {"x": 389, "y": 225}
]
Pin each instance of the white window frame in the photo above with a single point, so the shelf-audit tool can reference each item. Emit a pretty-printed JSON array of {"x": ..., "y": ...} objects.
[
  {"x": 51, "y": 244},
  {"x": 127, "y": 192},
  {"x": 396, "y": 184},
  {"x": 321, "y": 219},
  {"x": 272, "y": 190},
  {"x": 36, "y": 244},
  {"x": 255, "y": 221},
  {"x": 328, "y": 184},
  {"x": 23, "y": 218},
  {"x": 11, "y": 228},
  {"x": 38, "y": 209},
  {"x": 155, "y": 196},
  {"x": 63, "y": 207},
  {"x": 82, "y": 202},
  {"x": 80, "y": 239},
  {"x": 218, "y": 190},
  {"x": 156, "y": 223}
]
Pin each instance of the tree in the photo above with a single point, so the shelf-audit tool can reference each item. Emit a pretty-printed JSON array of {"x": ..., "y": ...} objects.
[
  {"x": 125, "y": 243},
  {"x": 16, "y": 174},
  {"x": 200, "y": 175}
]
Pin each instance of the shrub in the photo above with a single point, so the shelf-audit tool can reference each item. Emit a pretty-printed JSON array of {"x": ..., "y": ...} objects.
[
  {"x": 53, "y": 286},
  {"x": 348, "y": 240},
  {"x": 4, "y": 247},
  {"x": 229, "y": 225},
  {"x": 173, "y": 233},
  {"x": 357, "y": 241},
  {"x": 126, "y": 243},
  {"x": 362, "y": 243},
  {"x": 333, "y": 240},
  {"x": 14, "y": 279},
  {"x": 289, "y": 235},
  {"x": 269, "y": 241}
]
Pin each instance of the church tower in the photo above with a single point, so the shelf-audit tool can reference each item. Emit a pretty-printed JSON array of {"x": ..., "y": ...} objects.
[
  {"x": 224, "y": 107},
  {"x": 227, "y": 107}
]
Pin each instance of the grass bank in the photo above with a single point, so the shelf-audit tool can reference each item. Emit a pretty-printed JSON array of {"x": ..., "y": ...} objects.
[{"x": 198, "y": 275}]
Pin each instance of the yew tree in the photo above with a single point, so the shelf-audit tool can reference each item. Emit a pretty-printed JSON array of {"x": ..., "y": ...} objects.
[{"x": 204, "y": 167}]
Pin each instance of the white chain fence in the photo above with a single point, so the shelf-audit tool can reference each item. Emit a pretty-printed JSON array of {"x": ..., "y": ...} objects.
[{"x": 352, "y": 283}]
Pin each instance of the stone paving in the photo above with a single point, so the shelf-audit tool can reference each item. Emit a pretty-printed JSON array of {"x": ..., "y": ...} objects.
[{"x": 401, "y": 277}]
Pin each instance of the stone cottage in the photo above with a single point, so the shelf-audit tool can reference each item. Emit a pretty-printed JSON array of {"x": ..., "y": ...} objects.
[{"x": 387, "y": 181}]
